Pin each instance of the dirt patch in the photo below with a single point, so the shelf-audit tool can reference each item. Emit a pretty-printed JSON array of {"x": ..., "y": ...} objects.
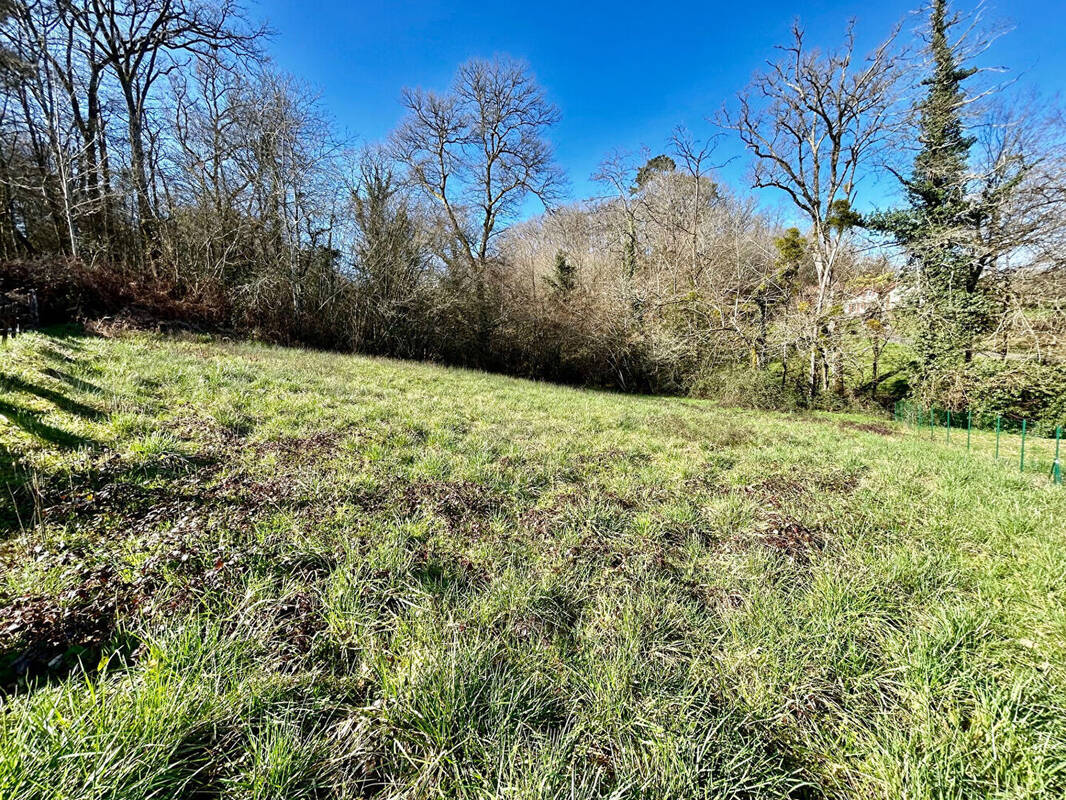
[
  {"x": 782, "y": 534},
  {"x": 792, "y": 539},
  {"x": 715, "y": 597},
  {"x": 459, "y": 503},
  {"x": 163, "y": 520},
  {"x": 174, "y": 487},
  {"x": 303, "y": 449},
  {"x": 778, "y": 490},
  {"x": 295, "y": 621},
  {"x": 50, "y": 635},
  {"x": 780, "y": 530},
  {"x": 879, "y": 428},
  {"x": 43, "y": 634}
]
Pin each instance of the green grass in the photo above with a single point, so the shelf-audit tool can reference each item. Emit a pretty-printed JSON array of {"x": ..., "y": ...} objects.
[{"x": 248, "y": 572}]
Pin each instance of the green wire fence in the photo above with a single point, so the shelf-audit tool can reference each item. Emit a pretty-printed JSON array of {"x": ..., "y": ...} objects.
[{"x": 1032, "y": 447}]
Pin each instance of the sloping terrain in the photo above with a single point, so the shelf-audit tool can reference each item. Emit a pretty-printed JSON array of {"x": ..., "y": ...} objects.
[{"x": 229, "y": 570}]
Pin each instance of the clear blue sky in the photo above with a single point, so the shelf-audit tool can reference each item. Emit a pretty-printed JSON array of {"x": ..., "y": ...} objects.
[{"x": 623, "y": 74}]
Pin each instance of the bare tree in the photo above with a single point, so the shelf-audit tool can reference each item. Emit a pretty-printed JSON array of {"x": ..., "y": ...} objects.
[
  {"x": 480, "y": 150},
  {"x": 695, "y": 155},
  {"x": 389, "y": 259},
  {"x": 618, "y": 173},
  {"x": 813, "y": 122},
  {"x": 142, "y": 41}
]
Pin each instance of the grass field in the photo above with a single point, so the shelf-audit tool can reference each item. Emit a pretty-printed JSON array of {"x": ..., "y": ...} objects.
[{"x": 237, "y": 571}]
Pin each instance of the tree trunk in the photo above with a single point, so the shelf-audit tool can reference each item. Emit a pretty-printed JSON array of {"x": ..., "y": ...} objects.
[
  {"x": 138, "y": 165},
  {"x": 760, "y": 342},
  {"x": 812, "y": 383},
  {"x": 838, "y": 371}
]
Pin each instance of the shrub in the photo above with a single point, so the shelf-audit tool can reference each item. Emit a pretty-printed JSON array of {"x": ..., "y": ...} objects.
[
  {"x": 69, "y": 290},
  {"x": 744, "y": 388},
  {"x": 1022, "y": 389}
]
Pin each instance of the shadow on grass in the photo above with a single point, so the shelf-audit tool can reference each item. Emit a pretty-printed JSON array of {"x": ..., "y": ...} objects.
[
  {"x": 53, "y": 353},
  {"x": 29, "y": 496},
  {"x": 74, "y": 383},
  {"x": 14, "y": 383},
  {"x": 17, "y": 499},
  {"x": 29, "y": 421},
  {"x": 17, "y": 507}
]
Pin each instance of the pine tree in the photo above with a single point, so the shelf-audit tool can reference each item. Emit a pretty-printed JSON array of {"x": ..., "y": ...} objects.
[
  {"x": 564, "y": 279},
  {"x": 938, "y": 228}
]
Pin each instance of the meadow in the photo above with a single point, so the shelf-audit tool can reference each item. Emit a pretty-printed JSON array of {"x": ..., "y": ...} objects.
[{"x": 233, "y": 570}]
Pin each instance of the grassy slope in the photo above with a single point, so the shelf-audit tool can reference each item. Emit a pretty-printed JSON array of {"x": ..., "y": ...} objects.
[{"x": 312, "y": 574}]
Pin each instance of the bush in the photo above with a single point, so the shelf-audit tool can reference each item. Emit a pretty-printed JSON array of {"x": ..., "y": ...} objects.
[
  {"x": 742, "y": 387},
  {"x": 68, "y": 290},
  {"x": 1020, "y": 389}
]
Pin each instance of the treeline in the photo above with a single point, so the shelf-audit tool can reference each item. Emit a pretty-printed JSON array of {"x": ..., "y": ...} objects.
[{"x": 154, "y": 163}]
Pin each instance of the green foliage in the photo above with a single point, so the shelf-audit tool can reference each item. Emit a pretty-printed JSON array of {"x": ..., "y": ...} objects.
[
  {"x": 657, "y": 165},
  {"x": 842, "y": 217},
  {"x": 938, "y": 228},
  {"x": 1016, "y": 389},
  {"x": 791, "y": 248},
  {"x": 564, "y": 277}
]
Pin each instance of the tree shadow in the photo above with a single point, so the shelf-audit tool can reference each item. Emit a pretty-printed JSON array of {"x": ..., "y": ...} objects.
[
  {"x": 108, "y": 487},
  {"x": 29, "y": 421},
  {"x": 60, "y": 400},
  {"x": 53, "y": 353},
  {"x": 68, "y": 332},
  {"x": 17, "y": 507},
  {"x": 71, "y": 381}
]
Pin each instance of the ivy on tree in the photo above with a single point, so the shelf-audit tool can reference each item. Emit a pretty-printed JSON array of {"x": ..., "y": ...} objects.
[{"x": 939, "y": 227}]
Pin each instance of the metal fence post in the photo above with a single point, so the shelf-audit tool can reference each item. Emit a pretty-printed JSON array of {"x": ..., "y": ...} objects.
[
  {"x": 1021, "y": 464},
  {"x": 1056, "y": 466}
]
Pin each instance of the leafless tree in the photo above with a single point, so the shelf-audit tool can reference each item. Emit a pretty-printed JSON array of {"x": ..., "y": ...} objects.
[
  {"x": 480, "y": 150},
  {"x": 813, "y": 122},
  {"x": 142, "y": 41},
  {"x": 618, "y": 174},
  {"x": 695, "y": 155}
]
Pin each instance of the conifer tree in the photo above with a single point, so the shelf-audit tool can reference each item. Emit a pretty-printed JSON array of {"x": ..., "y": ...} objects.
[
  {"x": 564, "y": 279},
  {"x": 938, "y": 228}
]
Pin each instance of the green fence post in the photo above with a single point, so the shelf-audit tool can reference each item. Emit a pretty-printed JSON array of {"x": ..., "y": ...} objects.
[
  {"x": 1021, "y": 464},
  {"x": 999, "y": 419},
  {"x": 969, "y": 428},
  {"x": 1056, "y": 466},
  {"x": 948, "y": 437}
]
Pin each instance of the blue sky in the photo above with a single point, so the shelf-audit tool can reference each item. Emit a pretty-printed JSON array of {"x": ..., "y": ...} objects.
[{"x": 623, "y": 74}]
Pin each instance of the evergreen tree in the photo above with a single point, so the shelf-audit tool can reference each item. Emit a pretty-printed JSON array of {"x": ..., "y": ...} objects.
[
  {"x": 658, "y": 165},
  {"x": 939, "y": 227},
  {"x": 564, "y": 279}
]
